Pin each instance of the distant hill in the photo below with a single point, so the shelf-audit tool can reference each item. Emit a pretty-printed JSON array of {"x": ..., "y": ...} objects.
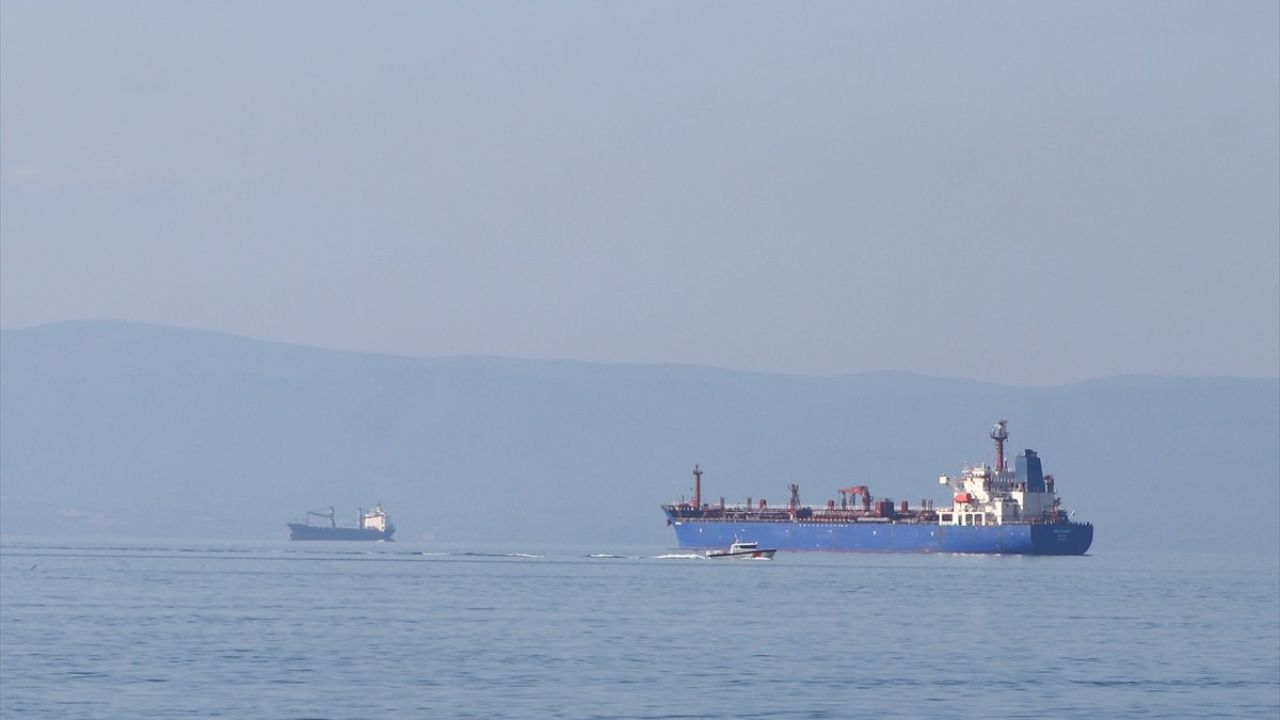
[{"x": 113, "y": 428}]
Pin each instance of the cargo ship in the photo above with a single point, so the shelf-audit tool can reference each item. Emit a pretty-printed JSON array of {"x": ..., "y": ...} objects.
[
  {"x": 370, "y": 525},
  {"x": 994, "y": 510}
]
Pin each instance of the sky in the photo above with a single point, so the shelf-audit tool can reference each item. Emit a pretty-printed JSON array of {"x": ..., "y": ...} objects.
[{"x": 1028, "y": 193}]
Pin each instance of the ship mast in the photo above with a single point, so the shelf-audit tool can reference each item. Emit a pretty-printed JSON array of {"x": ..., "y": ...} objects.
[
  {"x": 697, "y": 487},
  {"x": 1000, "y": 433}
]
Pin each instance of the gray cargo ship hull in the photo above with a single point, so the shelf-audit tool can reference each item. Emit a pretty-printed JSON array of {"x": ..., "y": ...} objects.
[{"x": 300, "y": 531}]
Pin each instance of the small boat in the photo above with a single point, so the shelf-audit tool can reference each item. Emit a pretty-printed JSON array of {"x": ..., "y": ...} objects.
[{"x": 740, "y": 550}]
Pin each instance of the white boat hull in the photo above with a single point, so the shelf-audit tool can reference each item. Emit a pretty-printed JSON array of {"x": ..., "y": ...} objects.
[{"x": 756, "y": 554}]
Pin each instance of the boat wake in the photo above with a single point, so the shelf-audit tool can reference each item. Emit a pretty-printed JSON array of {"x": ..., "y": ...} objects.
[
  {"x": 680, "y": 556},
  {"x": 516, "y": 555}
]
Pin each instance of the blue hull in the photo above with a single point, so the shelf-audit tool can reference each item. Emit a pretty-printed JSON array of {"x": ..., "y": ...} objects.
[{"x": 1057, "y": 539}]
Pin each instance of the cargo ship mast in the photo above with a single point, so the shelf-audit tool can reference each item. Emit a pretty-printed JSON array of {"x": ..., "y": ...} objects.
[
  {"x": 1000, "y": 433},
  {"x": 697, "y": 487}
]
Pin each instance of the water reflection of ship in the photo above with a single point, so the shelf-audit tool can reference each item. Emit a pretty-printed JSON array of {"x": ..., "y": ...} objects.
[{"x": 370, "y": 525}]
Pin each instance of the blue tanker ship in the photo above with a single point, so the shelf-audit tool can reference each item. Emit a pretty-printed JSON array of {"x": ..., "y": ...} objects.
[{"x": 995, "y": 510}]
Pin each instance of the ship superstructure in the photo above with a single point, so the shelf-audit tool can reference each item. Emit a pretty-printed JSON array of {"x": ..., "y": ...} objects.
[
  {"x": 987, "y": 495},
  {"x": 993, "y": 510}
]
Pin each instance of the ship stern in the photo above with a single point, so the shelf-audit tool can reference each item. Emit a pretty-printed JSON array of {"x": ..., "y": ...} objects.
[{"x": 1069, "y": 538}]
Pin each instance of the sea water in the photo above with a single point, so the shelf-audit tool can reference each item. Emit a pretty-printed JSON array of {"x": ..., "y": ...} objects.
[{"x": 329, "y": 630}]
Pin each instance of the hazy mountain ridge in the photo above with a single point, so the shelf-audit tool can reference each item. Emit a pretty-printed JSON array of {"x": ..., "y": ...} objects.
[{"x": 124, "y": 428}]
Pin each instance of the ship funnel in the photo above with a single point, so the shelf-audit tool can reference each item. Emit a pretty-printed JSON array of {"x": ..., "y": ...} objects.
[{"x": 1028, "y": 471}]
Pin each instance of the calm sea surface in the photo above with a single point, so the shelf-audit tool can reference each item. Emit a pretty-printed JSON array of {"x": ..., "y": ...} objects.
[{"x": 318, "y": 630}]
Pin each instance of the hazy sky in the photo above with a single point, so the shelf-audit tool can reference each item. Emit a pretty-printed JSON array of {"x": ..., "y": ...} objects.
[{"x": 1026, "y": 192}]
